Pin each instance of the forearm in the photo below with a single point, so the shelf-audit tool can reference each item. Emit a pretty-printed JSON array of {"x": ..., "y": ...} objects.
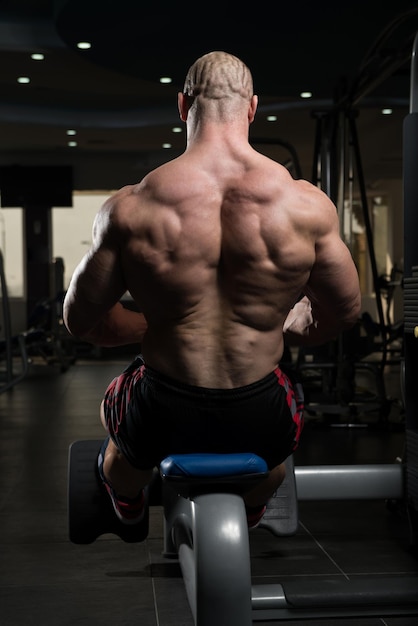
[{"x": 117, "y": 327}]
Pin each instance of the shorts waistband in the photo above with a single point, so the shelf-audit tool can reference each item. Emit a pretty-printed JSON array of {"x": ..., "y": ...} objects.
[{"x": 157, "y": 379}]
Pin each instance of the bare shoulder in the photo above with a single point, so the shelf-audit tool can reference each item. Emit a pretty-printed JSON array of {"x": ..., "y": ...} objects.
[
  {"x": 131, "y": 203},
  {"x": 314, "y": 195},
  {"x": 114, "y": 212},
  {"x": 119, "y": 198},
  {"x": 318, "y": 205}
]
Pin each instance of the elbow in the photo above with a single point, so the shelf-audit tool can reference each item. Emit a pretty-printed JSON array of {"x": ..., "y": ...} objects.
[
  {"x": 74, "y": 329},
  {"x": 351, "y": 315},
  {"x": 74, "y": 324},
  {"x": 66, "y": 318},
  {"x": 80, "y": 332},
  {"x": 354, "y": 311},
  {"x": 75, "y": 320}
]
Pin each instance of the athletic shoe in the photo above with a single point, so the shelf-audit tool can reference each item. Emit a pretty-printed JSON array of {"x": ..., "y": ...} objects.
[
  {"x": 128, "y": 511},
  {"x": 255, "y": 515}
]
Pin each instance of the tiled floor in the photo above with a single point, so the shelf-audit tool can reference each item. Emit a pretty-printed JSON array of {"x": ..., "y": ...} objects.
[{"x": 48, "y": 581}]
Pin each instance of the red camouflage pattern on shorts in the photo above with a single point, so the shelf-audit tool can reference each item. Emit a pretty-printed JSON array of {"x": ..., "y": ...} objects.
[
  {"x": 295, "y": 401},
  {"x": 118, "y": 397}
]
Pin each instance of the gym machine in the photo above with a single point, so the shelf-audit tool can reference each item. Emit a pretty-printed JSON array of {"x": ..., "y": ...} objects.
[{"x": 205, "y": 528}]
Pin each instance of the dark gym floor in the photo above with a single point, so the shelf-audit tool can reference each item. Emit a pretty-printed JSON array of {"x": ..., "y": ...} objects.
[{"x": 47, "y": 581}]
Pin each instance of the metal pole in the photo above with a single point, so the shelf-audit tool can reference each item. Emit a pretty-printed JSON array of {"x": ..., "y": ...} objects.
[{"x": 414, "y": 78}]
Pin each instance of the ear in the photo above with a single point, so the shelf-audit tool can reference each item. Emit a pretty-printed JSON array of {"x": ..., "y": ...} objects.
[
  {"x": 183, "y": 106},
  {"x": 252, "y": 108},
  {"x": 180, "y": 104}
]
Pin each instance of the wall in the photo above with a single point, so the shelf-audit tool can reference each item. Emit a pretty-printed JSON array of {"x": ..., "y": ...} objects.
[{"x": 71, "y": 237}]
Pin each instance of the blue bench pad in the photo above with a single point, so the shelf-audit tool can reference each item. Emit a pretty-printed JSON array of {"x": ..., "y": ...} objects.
[{"x": 206, "y": 465}]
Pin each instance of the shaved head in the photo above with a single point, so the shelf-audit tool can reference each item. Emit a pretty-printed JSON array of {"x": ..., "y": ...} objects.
[{"x": 219, "y": 75}]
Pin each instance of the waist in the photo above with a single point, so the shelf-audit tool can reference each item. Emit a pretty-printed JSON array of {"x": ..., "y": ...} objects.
[{"x": 156, "y": 379}]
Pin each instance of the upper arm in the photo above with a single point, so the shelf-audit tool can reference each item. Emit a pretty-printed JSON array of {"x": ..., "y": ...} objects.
[
  {"x": 333, "y": 283},
  {"x": 98, "y": 282}
]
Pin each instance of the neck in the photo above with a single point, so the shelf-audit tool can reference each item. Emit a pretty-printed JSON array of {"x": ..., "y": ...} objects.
[{"x": 209, "y": 131}]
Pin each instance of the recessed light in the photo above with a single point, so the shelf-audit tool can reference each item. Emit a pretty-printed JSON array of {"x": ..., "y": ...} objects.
[
  {"x": 165, "y": 80},
  {"x": 387, "y": 111},
  {"x": 177, "y": 129},
  {"x": 272, "y": 118},
  {"x": 166, "y": 145},
  {"x": 23, "y": 80},
  {"x": 37, "y": 56},
  {"x": 72, "y": 144},
  {"x": 306, "y": 94},
  {"x": 84, "y": 45},
  {"x": 71, "y": 132}
]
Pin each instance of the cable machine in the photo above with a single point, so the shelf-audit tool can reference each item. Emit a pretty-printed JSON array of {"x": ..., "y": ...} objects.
[
  {"x": 337, "y": 168},
  {"x": 337, "y": 160}
]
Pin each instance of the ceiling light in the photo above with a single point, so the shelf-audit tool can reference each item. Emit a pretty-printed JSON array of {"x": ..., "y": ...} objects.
[
  {"x": 23, "y": 80},
  {"x": 71, "y": 132},
  {"x": 84, "y": 45},
  {"x": 306, "y": 94},
  {"x": 177, "y": 129},
  {"x": 165, "y": 80},
  {"x": 72, "y": 144},
  {"x": 166, "y": 145},
  {"x": 37, "y": 56},
  {"x": 387, "y": 111},
  {"x": 272, "y": 118}
]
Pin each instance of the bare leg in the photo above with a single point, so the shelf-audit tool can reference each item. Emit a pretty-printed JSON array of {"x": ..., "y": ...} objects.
[
  {"x": 262, "y": 492},
  {"x": 126, "y": 480}
]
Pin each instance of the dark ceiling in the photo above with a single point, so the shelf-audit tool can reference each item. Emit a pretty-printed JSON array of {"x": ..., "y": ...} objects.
[{"x": 355, "y": 55}]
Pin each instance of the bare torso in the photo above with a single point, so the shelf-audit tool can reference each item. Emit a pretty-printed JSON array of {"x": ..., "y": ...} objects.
[{"x": 215, "y": 255}]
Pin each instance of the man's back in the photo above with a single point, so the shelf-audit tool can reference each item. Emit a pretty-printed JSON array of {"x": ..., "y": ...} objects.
[{"x": 220, "y": 247}]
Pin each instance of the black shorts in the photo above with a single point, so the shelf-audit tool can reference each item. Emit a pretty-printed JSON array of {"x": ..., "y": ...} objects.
[{"x": 150, "y": 416}]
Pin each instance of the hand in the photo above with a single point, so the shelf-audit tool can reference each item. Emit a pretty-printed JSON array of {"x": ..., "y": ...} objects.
[{"x": 299, "y": 319}]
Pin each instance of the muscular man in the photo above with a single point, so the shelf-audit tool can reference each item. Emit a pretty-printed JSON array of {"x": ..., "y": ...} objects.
[{"x": 215, "y": 247}]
